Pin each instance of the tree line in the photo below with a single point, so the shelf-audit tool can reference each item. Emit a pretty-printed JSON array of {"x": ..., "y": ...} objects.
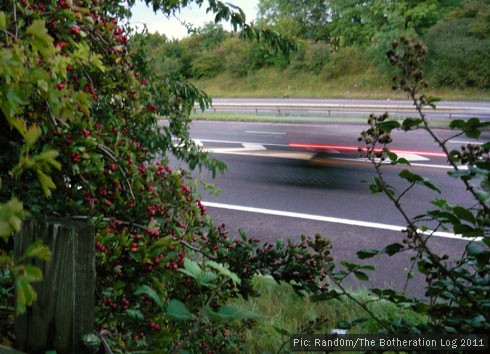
[{"x": 335, "y": 38}]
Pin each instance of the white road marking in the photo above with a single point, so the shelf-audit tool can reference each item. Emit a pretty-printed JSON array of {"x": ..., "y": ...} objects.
[
  {"x": 246, "y": 148},
  {"x": 465, "y": 142},
  {"x": 236, "y": 142},
  {"x": 257, "y": 132},
  {"x": 444, "y": 167},
  {"x": 273, "y": 153},
  {"x": 330, "y": 219}
]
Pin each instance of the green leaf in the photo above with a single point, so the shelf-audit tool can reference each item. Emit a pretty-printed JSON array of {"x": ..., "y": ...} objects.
[
  {"x": 25, "y": 293},
  {"x": 32, "y": 135},
  {"x": 459, "y": 174},
  {"x": 46, "y": 183},
  {"x": 393, "y": 249},
  {"x": 410, "y": 123},
  {"x": 415, "y": 178},
  {"x": 472, "y": 128},
  {"x": 15, "y": 222},
  {"x": 361, "y": 275},
  {"x": 457, "y": 124},
  {"x": 11, "y": 215},
  {"x": 475, "y": 249},
  {"x": 38, "y": 250},
  {"x": 5, "y": 230},
  {"x": 43, "y": 85},
  {"x": 3, "y": 21},
  {"x": 178, "y": 311},
  {"x": 467, "y": 231},
  {"x": 191, "y": 268},
  {"x": 367, "y": 253},
  {"x": 145, "y": 289},
  {"x": 403, "y": 161},
  {"x": 41, "y": 40},
  {"x": 207, "y": 279},
  {"x": 135, "y": 314},
  {"x": 391, "y": 155},
  {"x": 49, "y": 157},
  {"x": 91, "y": 340},
  {"x": 464, "y": 214},
  {"x": 223, "y": 270},
  {"x": 432, "y": 100},
  {"x": 388, "y": 126},
  {"x": 97, "y": 62}
]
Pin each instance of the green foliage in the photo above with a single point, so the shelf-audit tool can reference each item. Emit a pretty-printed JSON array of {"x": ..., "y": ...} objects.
[
  {"x": 347, "y": 61},
  {"x": 457, "y": 57},
  {"x": 300, "y": 19}
]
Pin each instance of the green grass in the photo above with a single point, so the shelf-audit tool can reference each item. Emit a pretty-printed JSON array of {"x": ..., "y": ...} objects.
[
  {"x": 274, "y": 118},
  {"x": 273, "y": 82},
  {"x": 278, "y": 306}
]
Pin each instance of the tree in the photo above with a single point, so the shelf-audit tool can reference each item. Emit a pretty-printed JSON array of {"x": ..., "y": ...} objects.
[
  {"x": 303, "y": 19},
  {"x": 352, "y": 22},
  {"x": 459, "y": 47},
  {"x": 87, "y": 131}
]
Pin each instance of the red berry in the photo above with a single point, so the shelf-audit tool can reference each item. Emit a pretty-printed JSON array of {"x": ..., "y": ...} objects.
[{"x": 151, "y": 107}]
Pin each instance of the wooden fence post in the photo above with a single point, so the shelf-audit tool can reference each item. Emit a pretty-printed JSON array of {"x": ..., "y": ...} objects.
[{"x": 64, "y": 310}]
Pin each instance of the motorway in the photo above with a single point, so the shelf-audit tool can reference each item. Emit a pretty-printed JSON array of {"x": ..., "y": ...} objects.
[{"x": 284, "y": 180}]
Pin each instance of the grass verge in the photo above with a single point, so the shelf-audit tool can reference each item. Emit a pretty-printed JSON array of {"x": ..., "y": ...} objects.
[
  {"x": 274, "y": 118},
  {"x": 271, "y": 118},
  {"x": 280, "y": 310},
  {"x": 277, "y": 83}
]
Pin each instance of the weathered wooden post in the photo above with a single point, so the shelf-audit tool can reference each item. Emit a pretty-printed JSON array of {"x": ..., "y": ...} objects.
[{"x": 64, "y": 310}]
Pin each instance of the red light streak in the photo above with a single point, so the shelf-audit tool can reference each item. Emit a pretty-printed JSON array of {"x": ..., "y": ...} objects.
[{"x": 355, "y": 148}]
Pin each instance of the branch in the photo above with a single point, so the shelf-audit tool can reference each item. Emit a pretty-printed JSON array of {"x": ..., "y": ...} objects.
[
  {"x": 14, "y": 11},
  {"x": 112, "y": 156},
  {"x": 405, "y": 192},
  {"x": 104, "y": 343}
]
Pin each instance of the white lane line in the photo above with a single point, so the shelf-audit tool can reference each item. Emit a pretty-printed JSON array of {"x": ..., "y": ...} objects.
[
  {"x": 465, "y": 142},
  {"x": 328, "y": 219},
  {"x": 269, "y": 153},
  {"x": 258, "y": 132},
  {"x": 236, "y": 142},
  {"x": 364, "y": 160},
  {"x": 245, "y": 149}
]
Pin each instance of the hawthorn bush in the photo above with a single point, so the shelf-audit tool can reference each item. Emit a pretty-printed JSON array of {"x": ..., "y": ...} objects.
[{"x": 81, "y": 138}]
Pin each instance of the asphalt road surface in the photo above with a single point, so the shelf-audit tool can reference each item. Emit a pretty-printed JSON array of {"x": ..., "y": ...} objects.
[{"x": 285, "y": 180}]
